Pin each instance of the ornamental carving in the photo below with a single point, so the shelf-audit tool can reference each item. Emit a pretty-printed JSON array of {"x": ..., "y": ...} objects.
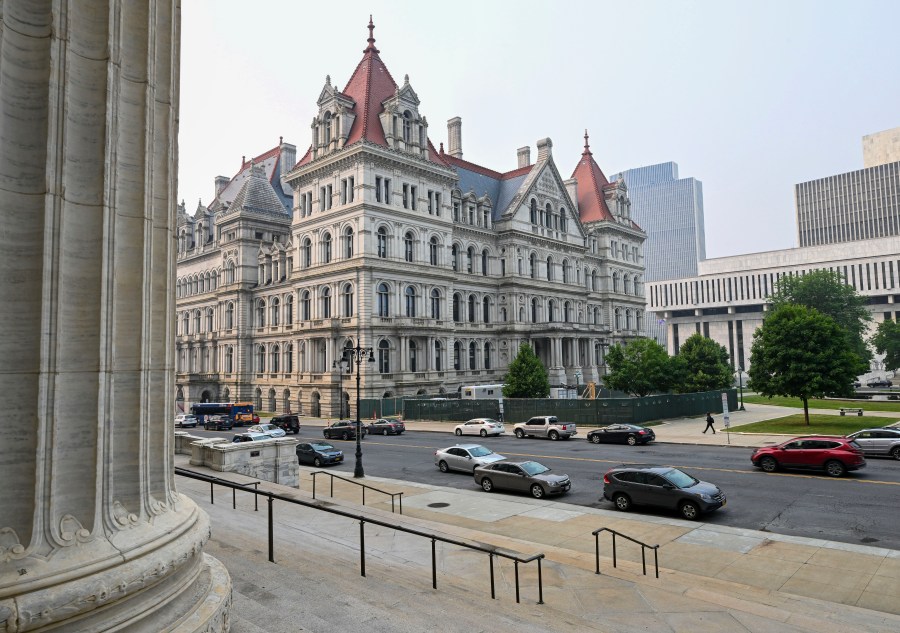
[
  {"x": 72, "y": 532},
  {"x": 10, "y": 546}
]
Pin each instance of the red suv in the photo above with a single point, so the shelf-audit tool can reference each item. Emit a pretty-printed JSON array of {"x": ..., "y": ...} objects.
[{"x": 834, "y": 455}]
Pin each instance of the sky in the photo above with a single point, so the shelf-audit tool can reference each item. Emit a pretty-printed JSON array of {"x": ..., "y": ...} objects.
[{"x": 750, "y": 98}]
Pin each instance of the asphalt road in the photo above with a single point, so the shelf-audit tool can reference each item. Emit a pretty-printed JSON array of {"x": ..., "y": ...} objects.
[{"x": 859, "y": 508}]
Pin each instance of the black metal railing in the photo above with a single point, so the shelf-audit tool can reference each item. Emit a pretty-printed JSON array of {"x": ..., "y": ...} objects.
[
  {"x": 644, "y": 548},
  {"x": 317, "y": 505},
  {"x": 393, "y": 495}
]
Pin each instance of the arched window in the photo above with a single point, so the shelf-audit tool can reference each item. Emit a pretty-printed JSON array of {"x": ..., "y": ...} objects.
[
  {"x": 410, "y": 294},
  {"x": 260, "y": 359},
  {"x": 471, "y": 308},
  {"x": 626, "y": 282},
  {"x": 289, "y": 310},
  {"x": 435, "y": 304},
  {"x": 594, "y": 280},
  {"x": 326, "y": 248},
  {"x": 229, "y": 360},
  {"x": 348, "y": 300},
  {"x": 503, "y": 315},
  {"x": 326, "y": 302},
  {"x": 639, "y": 320},
  {"x": 472, "y": 355},
  {"x": 289, "y": 358},
  {"x": 484, "y": 262},
  {"x": 551, "y": 311},
  {"x": 456, "y": 308},
  {"x": 532, "y": 263},
  {"x": 229, "y": 272},
  {"x": 209, "y": 319},
  {"x": 563, "y": 220},
  {"x": 627, "y": 319},
  {"x": 457, "y": 353},
  {"x": 229, "y": 315},
  {"x": 549, "y": 269},
  {"x": 384, "y": 357},
  {"x": 438, "y": 356},
  {"x": 383, "y": 307},
  {"x": 486, "y": 310},
  {"x": 454, "y": 257},
  {"x": 304, "y": 306},
  {"x": 260, "y": 313},
  {"x": 408, "y": 247},
  {"x": 306, "y": 253},
  {"x": 348, "y": 243},
  {"x": 274, "y": 310},
  {"x": 275, "y": 361},
  {"x": 567, "y": 312},
  {"x": 327, "y": 128},
  {"x": 534, "y": 311},
  {"x": 487, "y": 355},
  {"x": 382, "y": 242},
  {"x": 618, "y": 318},
  {"x": 637, "y": 286},
  {"x": 433, "y": 251},
  {"x": 407, "y": 127},
  {"x": 566, "y": 270},
  {"x": 197, "y": 321},
  {"x": 534, "y": 218},
  {"x": 470, "y": 256},
  {"x": 548, "y": 216},
  {"x": 413, "y": 355},
  {"x": 615, "y": 278}
]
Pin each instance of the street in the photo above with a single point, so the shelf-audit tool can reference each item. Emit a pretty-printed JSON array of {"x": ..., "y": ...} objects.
[{"x": 859, "y": 508}]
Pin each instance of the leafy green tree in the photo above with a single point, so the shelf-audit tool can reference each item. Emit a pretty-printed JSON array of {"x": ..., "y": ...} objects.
[
  {"x": 800, "y": 352},
  {"x": 701, "y": 365},
  {"x": 887, "y": 342},
  {"x": 639, "y": 368},
  {"x": 527, "y": 376},
  {"x": 828, "y": 292}
]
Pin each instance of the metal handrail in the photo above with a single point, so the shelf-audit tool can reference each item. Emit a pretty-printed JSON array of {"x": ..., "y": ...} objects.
[
  {"x": 318, "y": 505},
  {"x": 393, "y": 495},
  {"x": 644, "y": 547}
]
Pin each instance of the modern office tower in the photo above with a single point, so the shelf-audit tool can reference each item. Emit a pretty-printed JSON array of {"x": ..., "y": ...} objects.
[
  {"x": 881, "y": 148},
  {"x": 670, "y": 210}
]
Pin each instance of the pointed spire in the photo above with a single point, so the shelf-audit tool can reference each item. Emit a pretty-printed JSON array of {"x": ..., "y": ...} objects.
[
  {"x": 587, "y": 144},
  {"x": 371, "y": 40},
  {"x": 328, "y": 81},
  {"x": 406, "y": 80}
]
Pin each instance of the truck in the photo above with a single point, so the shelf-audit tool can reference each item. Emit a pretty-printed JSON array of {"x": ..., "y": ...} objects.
[
  {"x": 481, "y": 392},
  {"x": 545, "y": 426}
]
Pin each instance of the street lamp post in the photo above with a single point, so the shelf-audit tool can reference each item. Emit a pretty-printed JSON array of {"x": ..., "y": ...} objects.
[
  {"x": 741, "y": 387},
  {"x": 577, "y": 384},
  {"x": 342, "y": 365},
  {"x": 358, "y": 355}
]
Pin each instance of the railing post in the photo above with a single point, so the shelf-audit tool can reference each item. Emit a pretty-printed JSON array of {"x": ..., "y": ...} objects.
[
  {"x": 540, "y": 583},
  {"x": 517, "y": 580},
  {"x": 392, "y": 503},
  {"x": 314, "y": 485},
  {"x": 491, "y": 562},
  {"x": 614, "y": 549},
  {"x": 656, "y": 559},
  {"x": 644, "y": 559},
  {"x": 271, "y": 533},
  {"x": 401, "y": 503},
  {"x": 234, "y": 498},
  {"x": 364, "y": 495},
  {"x": 597, "y": 550},
  {"x": 433, "y": 565},
  {"x": 330, "y": 476},
  {"x": 362, "y": 547},
  {"x": 211, "y": 499},
  {"x": 256, "y": 496}
]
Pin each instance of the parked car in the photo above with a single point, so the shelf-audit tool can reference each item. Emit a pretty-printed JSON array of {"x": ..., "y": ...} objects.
[
  {"x": 884, "y": 441},
  {"x": 385, "y": 426},
  {"x": 630, "y": 434},
  {"x": 319, "y": 454},
  {"x": 465, "y": 457},
  {"x": 269, "y": 429},
  {"x": 343, "y": 430},
  {"x": 287, "y": 423},
  {"x": 834, "y": 455},
  {"x": 662, "y": 487},
  {"x": 521, "y": 477},
  {"x": 218, "y": 423},
  {"x": 857, "y": 384},
  {"x": 480, "y": 426},
  {"x": 878, "y": 382},
  {"x": 545, "y": 426},
  {"x": 185, "y": 420},
  {"x": 249, "y": 436}
]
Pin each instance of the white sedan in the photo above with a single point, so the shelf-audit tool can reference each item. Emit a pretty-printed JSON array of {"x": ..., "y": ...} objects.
[
  {"x": 269, "y": 429},
  {"x": 480, "y": 426}
]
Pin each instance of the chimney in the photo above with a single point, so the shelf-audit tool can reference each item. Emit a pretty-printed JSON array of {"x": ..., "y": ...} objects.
[
  {"x": 572, "y": 189},
  {"x": 454, "y": 137},
  {"x": 288, "y": 156},
  {"x": 524, "y": 154},
  {"x": 544, "y": 146},
  {"x": 221, "y": 183}
]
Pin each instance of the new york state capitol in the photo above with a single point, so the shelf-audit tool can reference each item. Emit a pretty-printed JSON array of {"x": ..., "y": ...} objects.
[{"x": 441, "y": 266}]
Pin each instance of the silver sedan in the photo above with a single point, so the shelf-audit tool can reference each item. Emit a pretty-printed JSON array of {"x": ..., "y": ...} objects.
[{"x": 464, "y": 457}]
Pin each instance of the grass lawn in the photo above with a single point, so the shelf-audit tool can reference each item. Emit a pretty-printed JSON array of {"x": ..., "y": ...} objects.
[
  {"x": 874, "y": 405},
  {"x": 818, "y": 424}
]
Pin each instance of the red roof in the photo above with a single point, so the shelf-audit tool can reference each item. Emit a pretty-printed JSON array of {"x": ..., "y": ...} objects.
[
  {"x": 591, "y": 181},
  {"x": 484, "y": 171}
]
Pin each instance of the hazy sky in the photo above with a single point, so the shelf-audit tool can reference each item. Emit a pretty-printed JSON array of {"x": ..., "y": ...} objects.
[{"x": 748, "y": 97}]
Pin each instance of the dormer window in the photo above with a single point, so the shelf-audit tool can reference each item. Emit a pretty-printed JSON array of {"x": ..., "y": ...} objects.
[
  {"x": 327, "y": 128},
  {"x": 407, "y": 127}
]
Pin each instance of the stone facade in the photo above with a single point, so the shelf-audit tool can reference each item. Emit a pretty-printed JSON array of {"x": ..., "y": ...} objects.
[
  {"x": 93, "y": 534},
  {"x": 881, "y": 148},
  {"x": 442, "y": 266}
]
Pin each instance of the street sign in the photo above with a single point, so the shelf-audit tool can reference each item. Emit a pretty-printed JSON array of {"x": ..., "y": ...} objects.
[{"x": 725, "y": 409}]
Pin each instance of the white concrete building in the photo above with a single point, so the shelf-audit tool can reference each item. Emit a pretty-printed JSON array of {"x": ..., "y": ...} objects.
[{"x": 443, "y": 267}]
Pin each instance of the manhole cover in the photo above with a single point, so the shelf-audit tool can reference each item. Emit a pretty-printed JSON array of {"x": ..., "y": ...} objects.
[{"x": 439, "y": 504}]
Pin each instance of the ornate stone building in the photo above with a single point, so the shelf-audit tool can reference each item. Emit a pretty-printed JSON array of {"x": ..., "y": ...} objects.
[{"x": 442, "y": 266}]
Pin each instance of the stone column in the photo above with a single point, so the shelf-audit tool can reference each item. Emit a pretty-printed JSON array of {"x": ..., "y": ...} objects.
[{"x": 93, "y": 534}]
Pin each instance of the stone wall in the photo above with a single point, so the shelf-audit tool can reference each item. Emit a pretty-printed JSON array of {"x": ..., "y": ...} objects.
[{"x": 272, "y": 460}]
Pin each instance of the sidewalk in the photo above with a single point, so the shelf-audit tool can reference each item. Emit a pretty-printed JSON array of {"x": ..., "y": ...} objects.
[{"x": 712, "y": 579}]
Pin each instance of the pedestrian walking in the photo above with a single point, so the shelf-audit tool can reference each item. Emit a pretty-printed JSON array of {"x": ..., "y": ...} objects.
[{"x": 709, "y": 423}]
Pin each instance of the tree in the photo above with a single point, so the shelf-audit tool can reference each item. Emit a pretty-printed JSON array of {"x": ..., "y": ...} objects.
[
  {"x": 887, "y": 342},
  {"x": 828, "y": 292},
  {"x": 701, "y": 365},
  {"x": 527, "y": 376},
  {"x": 640, "y": 368},
  {"x": 800, "y": 352}
]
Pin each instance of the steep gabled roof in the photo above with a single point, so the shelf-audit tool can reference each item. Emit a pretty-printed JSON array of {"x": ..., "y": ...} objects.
[{"x": 591, "y": 181}]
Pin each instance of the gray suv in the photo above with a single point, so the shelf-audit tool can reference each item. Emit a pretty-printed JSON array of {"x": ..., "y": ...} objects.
[
  {"x": 878, "y": 441},
  {"x": 663, "y": 487}
]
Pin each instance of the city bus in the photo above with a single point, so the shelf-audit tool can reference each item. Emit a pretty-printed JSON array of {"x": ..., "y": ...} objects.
[{"x": 240, "y": 413}]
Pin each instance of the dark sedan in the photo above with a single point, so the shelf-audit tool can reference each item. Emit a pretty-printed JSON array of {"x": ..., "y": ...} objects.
[
  {"x": 521, "y": 477},
  {"x": 630, "y": 434},
  {"x": 343, "y": 430},
  {"x": 386, "y": 427},
  {"x": 319, "y": 454}
]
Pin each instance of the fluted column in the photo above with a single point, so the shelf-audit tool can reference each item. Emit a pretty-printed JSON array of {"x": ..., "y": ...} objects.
[{"x": 91, "y": 526}]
